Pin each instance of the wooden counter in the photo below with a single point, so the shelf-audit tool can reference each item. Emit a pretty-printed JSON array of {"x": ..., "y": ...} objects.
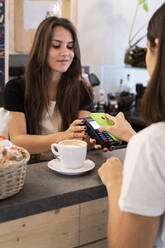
[{"x": 58, "y": 211}]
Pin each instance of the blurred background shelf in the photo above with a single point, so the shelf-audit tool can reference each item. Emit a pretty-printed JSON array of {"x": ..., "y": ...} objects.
[{"x": 113, "y": 75}]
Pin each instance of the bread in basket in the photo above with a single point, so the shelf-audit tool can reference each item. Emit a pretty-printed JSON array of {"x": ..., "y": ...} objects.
[{"x": 13, "y": 163}]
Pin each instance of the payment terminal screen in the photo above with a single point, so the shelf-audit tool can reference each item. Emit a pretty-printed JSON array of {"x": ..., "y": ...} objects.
[{"x": 94, "y": 124}]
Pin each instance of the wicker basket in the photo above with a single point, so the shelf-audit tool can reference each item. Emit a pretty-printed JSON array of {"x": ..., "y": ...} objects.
[{"x": 12, "y": 177}]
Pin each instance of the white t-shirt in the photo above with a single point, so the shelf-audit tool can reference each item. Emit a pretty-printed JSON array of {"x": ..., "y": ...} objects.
[
  {"x": 143, "y": 188},
  {"x": 51, "y": 123}
]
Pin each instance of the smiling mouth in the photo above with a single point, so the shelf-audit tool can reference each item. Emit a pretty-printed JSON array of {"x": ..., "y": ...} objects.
[{"x": 63, "y": 61}]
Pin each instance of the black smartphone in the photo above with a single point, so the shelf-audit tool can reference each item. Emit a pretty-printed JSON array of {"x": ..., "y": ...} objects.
[{"x": 102, "y": 138}]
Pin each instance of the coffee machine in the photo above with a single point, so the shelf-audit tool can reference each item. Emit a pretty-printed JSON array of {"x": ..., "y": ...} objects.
[{"x": 117, "y": 102}]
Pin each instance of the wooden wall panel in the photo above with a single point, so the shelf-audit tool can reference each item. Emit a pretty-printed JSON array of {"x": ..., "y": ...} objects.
[
  {"x": 66, "y": 8},
  {"x": 23, "y": 38},
  {"x": 20, "y": 40},
  {"x": 83, "y": 225},
  {"x": 11, "y": 26},
  {"x": 57, "y": 229},
  {"x": 93, "y": 220},
  {"x": 98, "y": 244}
]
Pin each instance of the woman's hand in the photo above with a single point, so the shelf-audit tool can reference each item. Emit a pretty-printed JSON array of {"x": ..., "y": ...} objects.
[
  {"x": 111, "y": 172},
  {"x": 76, "y": 130},
  {"x": 97, "y": 146},
  {"x": 121, "y": 128}
]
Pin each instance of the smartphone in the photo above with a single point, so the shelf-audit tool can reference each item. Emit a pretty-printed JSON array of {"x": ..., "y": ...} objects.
[
  {"x": 102, "y": 120},
  {"x": 102, "y": 138}
]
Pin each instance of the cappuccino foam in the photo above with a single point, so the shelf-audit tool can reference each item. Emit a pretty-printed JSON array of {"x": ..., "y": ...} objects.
[{"x": 72, "y": 143}]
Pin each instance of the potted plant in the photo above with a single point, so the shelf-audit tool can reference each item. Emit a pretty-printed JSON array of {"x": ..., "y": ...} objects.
[{"x": 135, "y": 55}]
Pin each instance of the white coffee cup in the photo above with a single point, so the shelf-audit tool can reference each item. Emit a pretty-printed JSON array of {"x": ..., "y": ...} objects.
[{"x": 72, "y": 153}]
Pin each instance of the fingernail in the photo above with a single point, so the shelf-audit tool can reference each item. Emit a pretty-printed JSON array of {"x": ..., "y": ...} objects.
[{"x": 111, "y": 148}]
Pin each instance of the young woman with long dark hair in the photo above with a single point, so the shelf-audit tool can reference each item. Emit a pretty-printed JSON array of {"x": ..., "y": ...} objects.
[
  {"x": 137, "y": 192},
  {"x": 45, "y": 106}
]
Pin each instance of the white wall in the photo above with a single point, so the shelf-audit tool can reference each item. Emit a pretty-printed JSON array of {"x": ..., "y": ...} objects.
[{"x": 103, "y": 27}]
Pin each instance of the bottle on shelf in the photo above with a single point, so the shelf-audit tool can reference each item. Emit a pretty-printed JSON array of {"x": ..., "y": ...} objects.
[
  {"x": 101, "y": 101},
  {"x": 127, "y": 85},
  {"x": 121, "y": 85}
]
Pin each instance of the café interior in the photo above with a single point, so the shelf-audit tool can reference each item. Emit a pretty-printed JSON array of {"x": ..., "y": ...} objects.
[{"x": 64, "y": 210}]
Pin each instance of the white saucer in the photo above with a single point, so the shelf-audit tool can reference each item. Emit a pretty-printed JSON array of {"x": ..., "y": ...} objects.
[{"x": 56, "y": 165}]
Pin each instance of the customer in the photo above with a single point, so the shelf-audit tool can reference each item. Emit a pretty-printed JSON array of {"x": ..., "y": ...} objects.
[
  {"x": 137, "y": 193},
  {"x": 45, "y": 107}
]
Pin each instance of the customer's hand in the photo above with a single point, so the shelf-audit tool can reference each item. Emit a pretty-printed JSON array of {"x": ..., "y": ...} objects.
[
  {"x": 76, "y": 130},
  {"x": 111, "y": 172},
  {"x": 121, "y": 128}
]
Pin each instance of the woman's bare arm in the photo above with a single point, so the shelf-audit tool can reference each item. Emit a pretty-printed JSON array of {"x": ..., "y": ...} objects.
[
  {"x": 39, "y": 143},
  {"x": 125, "y": 230},
  {"x": 83, "y": 114}
]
